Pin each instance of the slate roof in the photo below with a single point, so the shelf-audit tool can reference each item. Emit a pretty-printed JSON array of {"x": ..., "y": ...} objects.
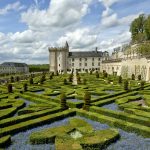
[
  {"x": 85, "y": 54},
  {"x": 13, "y": 64}
]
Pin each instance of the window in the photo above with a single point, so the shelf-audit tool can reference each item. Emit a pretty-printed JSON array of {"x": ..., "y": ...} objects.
[
  {"x": 85, "y": 64},
  {"x": 93, "y": 59},
  {"x": 99, "y": 59},
  {"x": 92, "y": 64},
  {"x": 72, "y": 59},
  {"x": 72, "y": 64},
  {"x": 85, "y": 59},
  {"x": 80, "y": 59},
  {"x": 99, "y": 64},
  {"x": 80, "y": 64}
]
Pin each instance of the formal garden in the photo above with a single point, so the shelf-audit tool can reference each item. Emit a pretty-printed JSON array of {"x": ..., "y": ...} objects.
[{"x": 100, "y": 111}]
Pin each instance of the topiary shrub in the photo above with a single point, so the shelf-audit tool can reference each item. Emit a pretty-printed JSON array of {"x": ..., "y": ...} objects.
[
  {"x": 133, "y": 77},
  {"x": 142, "y": 85},
  {"x": 25, "y": 87},
  {"x": 63, "y": 101},
  {"x": 78, "y": 79},
  {"x": 65, "y": 81},
  {"x": 11, "y": 79},
  {"x": 9, "y": 87},
  {"x": 139, "y": 77},
  {"x": 105, "y": 74},
  {"x": 70, "y": 77},
  {"x": 120, "y": 79},
  {"x": 57, "y": 73},
  {"x": 87, "y": 101},
  {"x": 126, "y": 85},
  {"x": 97, "y": 75},
  {"x": 51, "y": 77},
  {"x": 17, "y": 78},
  {"x": 31, "y": 80}
]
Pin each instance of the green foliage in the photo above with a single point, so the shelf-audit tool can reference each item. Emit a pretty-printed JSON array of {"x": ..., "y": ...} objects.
[
  {"x": 9, "y": 88},
  {"x": 133, "y": 77},
  {"x": 97, "y": 75},
  {"x": 120, "y": 79},
  {"x": 25, "y": 87},
  {"x": 51, "y": 77},
  {"x": 142, "y": 85},
  {"x": 126, "y": 85},
  {"x": 147, "y": 28},
  {"x": 70, "y": 77},
  {"x": 39, "y": 68},
  {"x": 137, "y": 29},
  {"x": 105, "y": 74},
  {"x": 140, "y": 28},
  {"x": 78, "y": 79},
  {"x": 139, "y": 77},
  {"x": 31, "y": 80},
  {"x": 11, "y": 79},
  {"x": 87, "y": 101},
  {"x": 63, "y": 101},
  {"x": 65, "y": 82},
  {"x": 17, "y": 78},
  {"x": 84, "y": 81}
]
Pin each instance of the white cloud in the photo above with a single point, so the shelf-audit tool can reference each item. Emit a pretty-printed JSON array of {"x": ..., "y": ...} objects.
[
  {"x": 14, "y": 6},
  {"x": 60, "y": 13},
  {"x": 108, "y": 3},
  {"x": 80, "y": 39}
]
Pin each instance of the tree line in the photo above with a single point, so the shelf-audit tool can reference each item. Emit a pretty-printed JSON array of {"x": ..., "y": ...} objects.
[{"x": 140, "y": 28}]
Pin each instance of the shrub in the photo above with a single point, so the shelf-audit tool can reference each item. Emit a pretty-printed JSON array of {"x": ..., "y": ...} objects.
[
  {"x": 65, "y": 81},
  {"x": 51, "y": 77},
  {"x": 70, "y": 77},
  {"x": 105, "y": 74},
  {"x": 133, "y": 77},
  {"x": 78, "y": 79},
  {"x": 91, "y": 72},
  {"x": 25, "y": 87},
  {"x": 97, "y": 75},
  {"x": 126, "y": 85},
  {"x": 9, "y": 87},
  {"x": 31, "y": 80},
  {"x": 139, "y": 77},
  {"x": 57, "y": 73},
  {"x": 42, "y": 79},
  {"x": 87, "y": 99},
  {"x": 11, "y": 79},
  {"x": 120, "y": 79},
  {"x": 63, "y": 101},
  {"x": 142, "y": 85},
  {"x": 17, "y": 78}
]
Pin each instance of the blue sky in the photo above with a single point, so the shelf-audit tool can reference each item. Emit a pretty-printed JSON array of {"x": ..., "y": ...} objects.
[{"x": 28, "y": 27}]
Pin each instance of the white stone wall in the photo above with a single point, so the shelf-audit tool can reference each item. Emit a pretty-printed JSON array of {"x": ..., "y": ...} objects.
[
  {"x": 127, "y": 67},
  {"x": 84, "y": 63},
  {"x": 9, "y": 70}
]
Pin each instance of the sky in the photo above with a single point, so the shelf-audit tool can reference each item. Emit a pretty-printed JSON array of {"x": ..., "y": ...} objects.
[{"x": 29, "y": 27}]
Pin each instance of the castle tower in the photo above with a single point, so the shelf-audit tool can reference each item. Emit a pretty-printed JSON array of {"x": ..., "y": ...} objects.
[
  {"x": 53, "y": 60},
  {"x": 58, "y": 59}
]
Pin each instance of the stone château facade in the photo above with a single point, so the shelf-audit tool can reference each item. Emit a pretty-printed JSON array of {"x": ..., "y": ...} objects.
[
  {"x": 13, "y": 67},
  {"x": 62, "y": 60},
  {"x": 126, "y": 63}
]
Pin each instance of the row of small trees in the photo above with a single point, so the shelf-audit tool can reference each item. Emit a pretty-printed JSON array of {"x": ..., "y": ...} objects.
[{"x": 87, "y": 101}]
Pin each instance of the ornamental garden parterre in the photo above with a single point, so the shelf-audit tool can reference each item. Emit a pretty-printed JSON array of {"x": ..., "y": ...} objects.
[{"x": 101, "y": 111}]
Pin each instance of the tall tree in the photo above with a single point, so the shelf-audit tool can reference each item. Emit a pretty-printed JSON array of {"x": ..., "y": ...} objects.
[
  {"x": 137, "y": 29},
  {"x": 147, "y": 28}
]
